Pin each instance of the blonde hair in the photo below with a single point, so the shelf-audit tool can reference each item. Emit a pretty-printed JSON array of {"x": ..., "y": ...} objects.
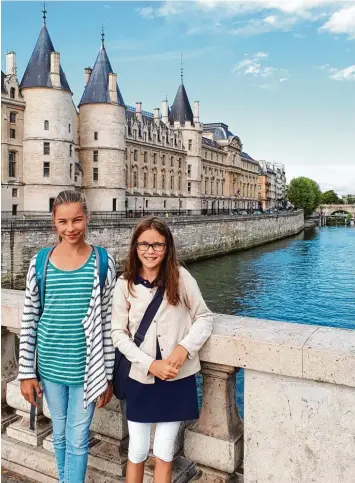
[{"x": 70, "y": 196}]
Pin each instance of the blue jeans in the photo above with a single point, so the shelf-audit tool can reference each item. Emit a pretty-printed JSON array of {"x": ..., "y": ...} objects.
[{"x": 71, "y": 424}]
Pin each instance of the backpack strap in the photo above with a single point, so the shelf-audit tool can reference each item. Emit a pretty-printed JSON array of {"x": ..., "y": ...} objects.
[
  {"x": 41, "y": 269},
  {"x": 102, "y": 264}
]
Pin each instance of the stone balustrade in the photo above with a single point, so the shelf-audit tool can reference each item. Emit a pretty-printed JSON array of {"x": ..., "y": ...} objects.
[{"x": 299, "y": 410}]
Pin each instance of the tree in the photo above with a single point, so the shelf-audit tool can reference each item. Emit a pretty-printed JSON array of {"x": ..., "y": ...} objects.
[
  {"x": 330, "y": 198},
  {"x": 304, "y": 193}
]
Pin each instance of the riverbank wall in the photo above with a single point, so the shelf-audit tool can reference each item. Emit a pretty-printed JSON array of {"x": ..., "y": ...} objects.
[{"x": 196, "y": 237}]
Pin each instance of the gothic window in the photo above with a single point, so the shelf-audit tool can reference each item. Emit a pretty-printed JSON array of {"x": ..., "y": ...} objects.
[
  {"x": 189, "y": 187},
  {"x": 126, "y": 175},
  {"x": 145, "y": 137},
  {"x": 46, "y": 125},
  {"x": 96, "y": 136},
  {"x": 154, "y": 180},
  {"x": 134, "y": 133},
  {"x": 95, "y": 174},
  {"x": 12, "y": 164},
  {"x": 171, "y": 182},
  {"x": 164, "y": 204},
  {"x": 70, "y": 150},
  {"x": 46, "y": 169},
  {"x": 145, "y": 156},
  {"x": 206, "y": 181},
  {"x": 13, "y": 117},
  {"x": 95, "y": 156},
  {"x": 155, "y": 158},
  {"x": 163, "y": 182},
  {"x": 145, "y": 180},
  {"x": 179, "y": 183},
  {"x": 12, "y": 92},
  {"x": 12, "y": 133},
  {"x": 135, "y": 179},
  {"x": 189, "y": 170},
  {"x": 46, "y": 148},
  {"x": 70, "y": 171},
  {"x": 211, "y": 187},
  {"x": 163, "y": 160},
  {"x": 180, "y": 163},
  {"x": 135, "y": 155},
  {"x": 172, "y": 161}
]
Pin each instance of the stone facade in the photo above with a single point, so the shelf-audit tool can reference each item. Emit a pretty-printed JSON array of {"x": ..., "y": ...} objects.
[
  {"x": 196, "y": 237},
  {"x": 272, "y": 185},
  {"x": 127, "y": 159}
]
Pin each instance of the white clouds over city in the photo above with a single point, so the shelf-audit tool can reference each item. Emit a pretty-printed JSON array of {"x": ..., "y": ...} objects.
[
  {"x": 256, "y": 66},
  {"x": 346, "y": 74}
]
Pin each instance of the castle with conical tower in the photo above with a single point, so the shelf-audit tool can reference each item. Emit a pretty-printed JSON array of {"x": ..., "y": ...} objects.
[{"x": 123, "y": 158}]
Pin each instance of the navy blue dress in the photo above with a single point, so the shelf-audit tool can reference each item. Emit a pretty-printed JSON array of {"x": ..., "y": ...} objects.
[{"x": 163, "y": 401}]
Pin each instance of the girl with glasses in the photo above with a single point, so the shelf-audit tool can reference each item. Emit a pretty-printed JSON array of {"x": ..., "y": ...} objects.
[{"x": 161, "y": 385}]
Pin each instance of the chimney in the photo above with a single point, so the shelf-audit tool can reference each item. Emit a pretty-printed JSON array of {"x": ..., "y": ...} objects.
[
  {"x": 112, "y": 87},
  {"x": 196, "y": 112},
  {"x": 55, "y": 69},
  {"x": 11, "y": 63},
  {"x": 157, "y": 115},
  {"x": 139, "y": 111},
  {"x": 165, "y": 111},
  {"x": 87, "y": 71}
]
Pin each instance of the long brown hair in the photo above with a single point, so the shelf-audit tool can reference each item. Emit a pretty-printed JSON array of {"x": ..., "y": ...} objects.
[{"x": 168, "y": 275}]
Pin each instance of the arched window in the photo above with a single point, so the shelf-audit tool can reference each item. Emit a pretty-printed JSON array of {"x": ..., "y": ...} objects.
[
  {"x": 171, "y": 182},
  {"x": 163, "y": 182},
  {"x": 145, "y": 179},
  {"x": 155, "y": 158},
  {"x": 46, "y": 125},
  {"x": 145, "y": 156},
  {"x": 154, "y": 180},
  {"x": 12, "y": 92}
]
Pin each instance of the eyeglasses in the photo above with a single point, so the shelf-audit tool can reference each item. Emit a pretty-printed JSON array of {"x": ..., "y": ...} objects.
[{"x": 144, "y": 246}]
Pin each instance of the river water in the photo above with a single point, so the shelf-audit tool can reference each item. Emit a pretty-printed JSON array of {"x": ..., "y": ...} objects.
[{"x": 308, "y": 279}]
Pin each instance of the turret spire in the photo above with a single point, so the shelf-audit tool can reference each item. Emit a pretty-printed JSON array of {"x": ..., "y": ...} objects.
[
  {"x": 182, "y": 71},
  {"x": 44, "y": 11},
  {"x": 102, "y": 35}
]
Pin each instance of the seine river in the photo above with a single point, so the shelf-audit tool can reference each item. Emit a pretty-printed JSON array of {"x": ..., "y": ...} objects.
[{"x": 308, "y": 279}]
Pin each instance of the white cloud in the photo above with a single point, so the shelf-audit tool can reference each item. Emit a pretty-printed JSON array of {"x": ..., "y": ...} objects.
[
  {"x": 255, "y": 66},
  {"x": 342, "y": 22},
  {"x": 265, "y": 25},
  {"x": 146, "y": 12},
  {"x": 346, "y": 74}
]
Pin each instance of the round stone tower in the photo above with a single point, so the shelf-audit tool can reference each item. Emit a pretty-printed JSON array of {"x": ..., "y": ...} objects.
[
  {"x": 182, "y": 117},
  {"x": 102, "y": 137},
  {"x": 50, "y": 120}
]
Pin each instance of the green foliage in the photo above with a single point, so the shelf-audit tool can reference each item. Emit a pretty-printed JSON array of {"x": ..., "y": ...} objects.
[
  {"x": 330, "y": 198},
  {"x": 304, "y": 193},
  {"x": 348, "y": 218}
]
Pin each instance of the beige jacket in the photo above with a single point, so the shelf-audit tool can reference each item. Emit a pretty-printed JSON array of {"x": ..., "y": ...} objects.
[{"x": 180, "y": 325}]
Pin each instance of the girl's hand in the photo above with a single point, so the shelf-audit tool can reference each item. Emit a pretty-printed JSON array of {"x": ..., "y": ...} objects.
[
  {"x": 106, "y": 397},
  {"x": 163, "y": 370},
  {"x": 28, "y": 388},
  {"x": 178, "y": 357}
]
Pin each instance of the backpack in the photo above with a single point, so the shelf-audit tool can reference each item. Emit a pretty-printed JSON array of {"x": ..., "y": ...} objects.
[{"x": 42, "y": 262}]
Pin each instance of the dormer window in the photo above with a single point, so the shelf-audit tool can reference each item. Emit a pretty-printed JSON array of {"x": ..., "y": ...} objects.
[
  {"x": 13, "y": 117},
  {"x": 12, "y": 93}
]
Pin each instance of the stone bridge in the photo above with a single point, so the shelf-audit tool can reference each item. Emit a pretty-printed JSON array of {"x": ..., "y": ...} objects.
[
  {"x": 327, "y": 210},
  {"x": 299, "y": 412}
]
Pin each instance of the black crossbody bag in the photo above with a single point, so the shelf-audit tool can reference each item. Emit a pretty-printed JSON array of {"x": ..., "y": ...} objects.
[{"x": 122, "y": 364}]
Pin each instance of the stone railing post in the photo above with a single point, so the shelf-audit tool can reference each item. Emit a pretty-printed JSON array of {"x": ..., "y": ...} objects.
[
  {"x": 215, "y": 441},
  {"x": 8, "y": 374}
]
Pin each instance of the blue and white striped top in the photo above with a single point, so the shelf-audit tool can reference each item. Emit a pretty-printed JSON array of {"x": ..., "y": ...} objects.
[{"x": 61, "y": 344}]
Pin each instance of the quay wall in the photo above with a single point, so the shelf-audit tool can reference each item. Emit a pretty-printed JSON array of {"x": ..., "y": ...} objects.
[{"x": 196, "y": 237}]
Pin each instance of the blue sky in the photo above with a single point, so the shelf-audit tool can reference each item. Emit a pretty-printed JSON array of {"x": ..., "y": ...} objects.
[{"x": 280, "y": 73}]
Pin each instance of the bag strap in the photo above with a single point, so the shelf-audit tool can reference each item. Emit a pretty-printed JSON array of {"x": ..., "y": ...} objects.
[
  {"x": 148, "y": 317},
  {"x": 102, "y": 264},
  {"x": 41, "y": 271}
]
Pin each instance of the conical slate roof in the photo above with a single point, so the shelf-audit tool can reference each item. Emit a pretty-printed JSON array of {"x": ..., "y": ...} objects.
[
  {"x": 38, "y": 69},
  {"x": 181, "y": 110},
  {"x": 97, "y": 88}
]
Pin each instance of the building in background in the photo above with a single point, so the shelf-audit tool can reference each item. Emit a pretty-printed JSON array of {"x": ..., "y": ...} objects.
[
  {"x": 122, "y": 157},
  {"x": 272, "y": 185}
]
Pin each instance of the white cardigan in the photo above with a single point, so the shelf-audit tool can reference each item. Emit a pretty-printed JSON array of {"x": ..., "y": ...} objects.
[{"x": 172, "y": 325}]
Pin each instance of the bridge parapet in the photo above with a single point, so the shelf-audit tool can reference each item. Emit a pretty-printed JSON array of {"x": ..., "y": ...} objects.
[
  {"x": 327, "y": 210},
  {"x": 299, "y": 416}
]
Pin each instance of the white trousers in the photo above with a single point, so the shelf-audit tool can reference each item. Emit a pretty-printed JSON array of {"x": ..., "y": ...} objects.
[{"x": 164, "y": 441}]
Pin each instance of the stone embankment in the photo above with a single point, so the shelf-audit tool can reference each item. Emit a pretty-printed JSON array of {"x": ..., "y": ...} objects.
[{"x": 196, "y": 237}]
